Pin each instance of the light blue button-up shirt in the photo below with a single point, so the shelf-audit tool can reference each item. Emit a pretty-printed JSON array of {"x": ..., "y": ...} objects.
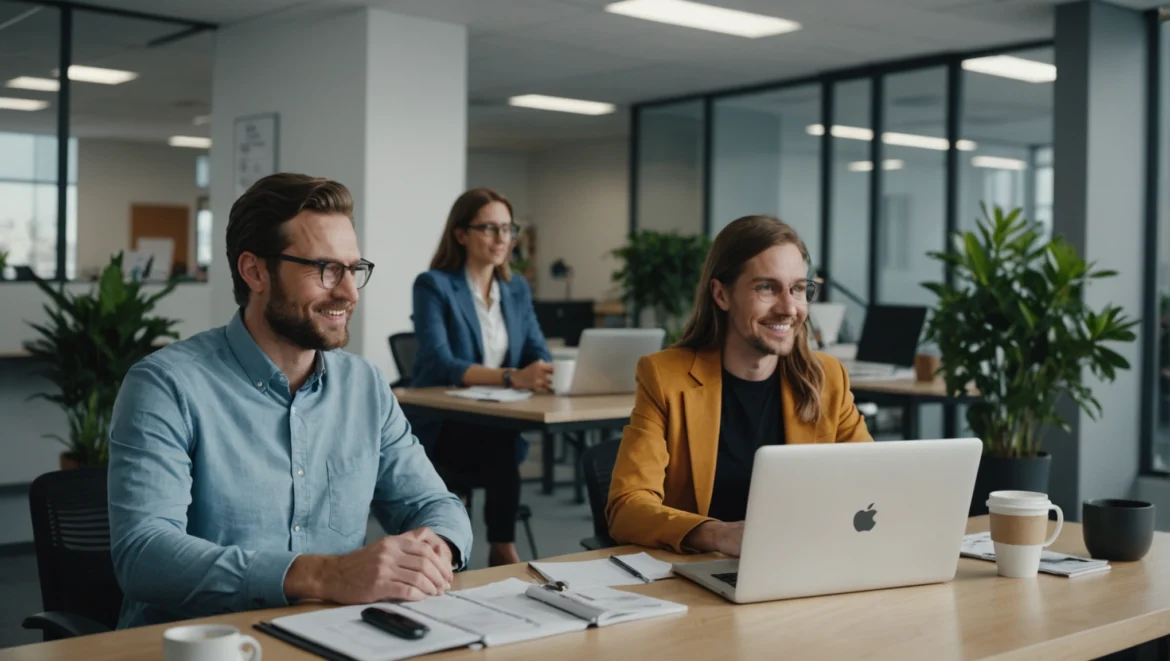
[{"x": 219, "y": 477}]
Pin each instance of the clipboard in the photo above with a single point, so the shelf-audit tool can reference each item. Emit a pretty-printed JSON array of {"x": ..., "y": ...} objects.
[{"x": 299, "y": 642}]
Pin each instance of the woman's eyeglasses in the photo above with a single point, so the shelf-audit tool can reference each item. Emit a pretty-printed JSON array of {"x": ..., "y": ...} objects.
[{"x": 491, "y": 230}]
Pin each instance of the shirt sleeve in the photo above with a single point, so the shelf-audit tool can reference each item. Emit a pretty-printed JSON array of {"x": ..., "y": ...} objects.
[
  {"x": 409, "y": 493},
  {"x": 155, "y": 560}
]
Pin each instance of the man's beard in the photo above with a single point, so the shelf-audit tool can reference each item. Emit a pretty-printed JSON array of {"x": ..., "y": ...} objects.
[
  {"x": 767, "y": 348},
  {"x": 287, "y": 321}
]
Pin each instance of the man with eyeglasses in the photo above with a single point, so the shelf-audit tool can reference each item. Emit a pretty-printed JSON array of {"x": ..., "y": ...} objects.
[
  {"x": 742, "y": 376},
  {"x": 245, "y": 460}
]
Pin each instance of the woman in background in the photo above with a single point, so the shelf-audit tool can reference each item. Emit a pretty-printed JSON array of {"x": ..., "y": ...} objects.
[{"x": 475, "y": 326}]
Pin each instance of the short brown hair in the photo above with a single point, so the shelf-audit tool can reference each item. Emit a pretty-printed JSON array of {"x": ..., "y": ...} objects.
[
  {"x": 734, "y": 246},
  {"x": 450, "y": 255},
  {"x": 256, "y": 222}
]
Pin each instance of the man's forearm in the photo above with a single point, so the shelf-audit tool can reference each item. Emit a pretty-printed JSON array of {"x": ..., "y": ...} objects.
[
  {"x": 704, "y": 537},
  {"x": 307, "y": 577}
]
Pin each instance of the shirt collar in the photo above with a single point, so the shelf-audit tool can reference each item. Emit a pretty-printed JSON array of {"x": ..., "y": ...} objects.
[
  {"x": 257, "y": 365},
  {"x": 477, "y": 293}
]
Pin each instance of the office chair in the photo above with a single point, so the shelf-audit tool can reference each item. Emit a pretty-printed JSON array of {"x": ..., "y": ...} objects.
[
  {"x": 71, "y": 532},
  {"x": 598, "y": 464},
  {"x": 403, "y": 348}
]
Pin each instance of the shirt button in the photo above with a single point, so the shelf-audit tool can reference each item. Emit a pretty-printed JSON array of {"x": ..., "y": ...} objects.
[
  {"x": 296, "y": 528},
  {"x": 293, "y": 409},
  {"x": 259, "y": 384},
  {"x": 300, "y": 473}
]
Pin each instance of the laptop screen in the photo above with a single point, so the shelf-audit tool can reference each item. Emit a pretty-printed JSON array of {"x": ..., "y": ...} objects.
[{"x": 890, "y": 334}]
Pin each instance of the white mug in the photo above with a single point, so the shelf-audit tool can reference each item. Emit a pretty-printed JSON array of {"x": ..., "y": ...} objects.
[
  {"x": 1019, "y": 521},
  {"x": 208, "y": 642},
  {"x": 562, "y": 376}
]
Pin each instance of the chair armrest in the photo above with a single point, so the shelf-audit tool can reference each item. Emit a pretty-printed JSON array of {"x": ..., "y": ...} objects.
[
  {"x": 597, "y": 543},
  {"x": 60, "y": 624}
]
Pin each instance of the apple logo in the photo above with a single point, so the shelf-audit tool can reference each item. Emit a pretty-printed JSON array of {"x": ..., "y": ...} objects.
[{"x": 863, "y": 520}]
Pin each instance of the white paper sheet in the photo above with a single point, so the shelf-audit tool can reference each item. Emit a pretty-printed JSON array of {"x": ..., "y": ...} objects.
[
  {"x": 603, "y": 573},
  {"x": 492, "y": 394}
]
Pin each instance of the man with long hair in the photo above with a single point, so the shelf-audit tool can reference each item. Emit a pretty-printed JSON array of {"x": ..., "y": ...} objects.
[{"x": 741, "y": 377}]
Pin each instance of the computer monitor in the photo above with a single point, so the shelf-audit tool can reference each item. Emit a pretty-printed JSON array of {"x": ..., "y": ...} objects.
[
  {"x": 890, "y": 334},
  {"x": 564, "y": 319}
]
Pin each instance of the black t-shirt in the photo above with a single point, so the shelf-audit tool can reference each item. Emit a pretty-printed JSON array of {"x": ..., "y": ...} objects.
[{"x": 751, "y": 418}]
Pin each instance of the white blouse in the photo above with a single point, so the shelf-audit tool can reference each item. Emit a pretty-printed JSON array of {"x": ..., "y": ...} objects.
[{"x": 491, "y": 323}]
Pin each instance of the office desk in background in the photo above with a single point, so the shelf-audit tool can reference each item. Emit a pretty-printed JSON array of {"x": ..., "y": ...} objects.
[
  {"x": 977, "y": 616},
  {"x": 547, "y": 414}
]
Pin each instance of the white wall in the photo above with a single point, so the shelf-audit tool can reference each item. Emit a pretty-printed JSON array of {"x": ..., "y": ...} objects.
[
  {"x": 507, "y": 173},
  {"x": 113, "y": 175},
  {"x": 386, "y": 116},
  {"x": 580, "y": 207}
]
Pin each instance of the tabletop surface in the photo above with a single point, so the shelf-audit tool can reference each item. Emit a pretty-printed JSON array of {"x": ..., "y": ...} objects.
[
  {"x": 540, "y": 408},
  {"x": 978, "y": 615}
]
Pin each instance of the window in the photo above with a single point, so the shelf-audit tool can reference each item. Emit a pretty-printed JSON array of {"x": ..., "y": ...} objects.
[
  {"x": 203, "y": 234},
  {"x": 1159, "y": 447},
  {"x": 670, "y": 167},
  {"x": 28, "y": 203},
  {"x": 849, "y": 239}
]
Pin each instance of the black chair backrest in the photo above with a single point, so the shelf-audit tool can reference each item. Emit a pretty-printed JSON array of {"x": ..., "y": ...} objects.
[
  {"x": 71, "y": 532},
  {"x": 404, "y": 348},
  {"x": 597, "y": 463}
]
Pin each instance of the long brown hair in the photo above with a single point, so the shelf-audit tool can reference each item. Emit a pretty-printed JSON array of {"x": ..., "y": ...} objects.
[
  {"x": 451, "y": 256},
  {"x": 740, "y": 241}
]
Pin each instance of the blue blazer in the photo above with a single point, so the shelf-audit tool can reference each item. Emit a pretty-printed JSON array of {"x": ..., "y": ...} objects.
[{"x": 450, "y": 339}]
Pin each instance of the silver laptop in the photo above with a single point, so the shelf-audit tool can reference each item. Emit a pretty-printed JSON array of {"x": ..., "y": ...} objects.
[
  {"x": 607, "y": 357},
  {"x": 844, "y": 517}
]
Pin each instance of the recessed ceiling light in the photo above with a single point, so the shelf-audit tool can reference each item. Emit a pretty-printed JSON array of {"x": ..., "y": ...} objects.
[
  {"x": 9, "y": 103},
  {"x": 1017, "y": 68},
  {"x": 998, "y": 163},
  {"x": 86, "y": 74},
  {"x": 189, "y": 141},
  {"x": 892, "y": 138},
  {"x": 559, "y": 104},
  {"x": 31, "y": 83},
  {"x": 866, "y": 166},
  {"x": 704, "y": 17},
  {"x": 200, "y": 120}
]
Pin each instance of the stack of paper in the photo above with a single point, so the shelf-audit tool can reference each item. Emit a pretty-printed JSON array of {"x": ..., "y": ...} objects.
[
  {"x": 603, "y": 573},
  {"x": 980, "y": 547},
  {"x": 492, "y": 394}
]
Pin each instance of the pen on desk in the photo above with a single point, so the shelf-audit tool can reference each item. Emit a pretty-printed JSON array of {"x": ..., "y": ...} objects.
[{"x": 637, "y": 574}]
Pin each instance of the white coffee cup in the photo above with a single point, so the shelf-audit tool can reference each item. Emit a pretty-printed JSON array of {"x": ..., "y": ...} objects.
[
  {"x": 1019, "y": 521},
  {"x": 209, "y": 642},
  {"x": 562, "y": 375}
]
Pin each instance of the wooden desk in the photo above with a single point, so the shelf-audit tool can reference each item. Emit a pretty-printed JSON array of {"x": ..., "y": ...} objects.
[
  {"x": 547, "y": 414},
  {"x": 910, "y": 393},
  {"x": 977, "y": 616}
]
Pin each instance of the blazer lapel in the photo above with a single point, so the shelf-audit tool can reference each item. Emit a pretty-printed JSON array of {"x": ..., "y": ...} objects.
[
  {"x": 511, "y": 312},
  {"x": 702, "y": 407},
  {"x": 466, "y": 305}
]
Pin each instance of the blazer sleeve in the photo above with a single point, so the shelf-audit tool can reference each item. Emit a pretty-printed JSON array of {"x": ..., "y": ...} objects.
[
  {"x": 430, "y": 329},
  {"x": 850, "y": 423},
  {"x": 635, "y": 511},
  {"x": 535, "y": 346}
]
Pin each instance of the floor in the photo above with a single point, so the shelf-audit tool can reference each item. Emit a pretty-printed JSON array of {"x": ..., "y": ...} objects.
[{"x": 557, "y": 524}]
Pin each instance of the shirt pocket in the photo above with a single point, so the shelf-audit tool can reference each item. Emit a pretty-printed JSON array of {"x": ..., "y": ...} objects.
[{"x": 351, "y": 489}]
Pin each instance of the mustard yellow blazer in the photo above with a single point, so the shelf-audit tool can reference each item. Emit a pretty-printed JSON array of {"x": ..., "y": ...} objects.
[{"x": 665, "y": 470}]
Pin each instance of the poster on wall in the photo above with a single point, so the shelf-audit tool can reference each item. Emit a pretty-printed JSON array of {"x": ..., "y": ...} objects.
[{"x": 255, "y": 149}]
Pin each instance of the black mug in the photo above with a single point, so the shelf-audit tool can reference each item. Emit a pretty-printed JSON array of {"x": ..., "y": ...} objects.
[{"x": 1116, "y": 529}]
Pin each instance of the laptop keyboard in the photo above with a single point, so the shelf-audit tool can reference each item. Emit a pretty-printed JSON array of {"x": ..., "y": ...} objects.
[{"x": 729, "y": 577}]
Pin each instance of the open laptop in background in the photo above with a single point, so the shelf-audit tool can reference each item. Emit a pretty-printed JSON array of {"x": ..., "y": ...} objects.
[
  {"x": 845, "y": 517},
  {"x": 607, "y": 358},
  {"x": 889, "y": 341}
]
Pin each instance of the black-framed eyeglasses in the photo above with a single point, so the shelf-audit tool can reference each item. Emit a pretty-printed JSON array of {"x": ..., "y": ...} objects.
[
  {"x": 333, "y": 272},
  {"x": 491, "y": 230}
]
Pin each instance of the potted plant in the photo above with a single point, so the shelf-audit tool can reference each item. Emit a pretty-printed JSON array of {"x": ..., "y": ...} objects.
[
  {"x": 3, "y": 264},
  {"x": 659, "y": 271},
  {"x": 1016, "y": 326},
  {"x": 87, "y": 345}
]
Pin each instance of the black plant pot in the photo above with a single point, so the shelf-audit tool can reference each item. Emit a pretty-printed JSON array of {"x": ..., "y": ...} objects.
[{"x": 1006, "y": 474}]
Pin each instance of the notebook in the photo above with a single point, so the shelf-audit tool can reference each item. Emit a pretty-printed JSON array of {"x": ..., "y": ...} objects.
[
  {"x": 500, "y": 613},
  {"x": 604, "y": 572}
]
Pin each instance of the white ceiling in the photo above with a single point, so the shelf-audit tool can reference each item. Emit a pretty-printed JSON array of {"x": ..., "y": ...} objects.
[{"x": 561, "y": 47}]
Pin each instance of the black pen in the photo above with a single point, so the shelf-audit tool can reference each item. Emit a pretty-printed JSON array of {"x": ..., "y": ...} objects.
[{"x": 637, "y": 574}]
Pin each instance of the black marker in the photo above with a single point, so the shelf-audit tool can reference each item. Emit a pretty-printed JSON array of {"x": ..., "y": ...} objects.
[{"x": 395, "y": 624}]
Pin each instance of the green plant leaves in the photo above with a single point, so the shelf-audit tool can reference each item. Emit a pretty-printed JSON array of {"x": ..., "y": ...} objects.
[
  {"x": 659, "y": 271},
  {"x": 87, "y": 346},
  {"x": 1015, "y": 325}
]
